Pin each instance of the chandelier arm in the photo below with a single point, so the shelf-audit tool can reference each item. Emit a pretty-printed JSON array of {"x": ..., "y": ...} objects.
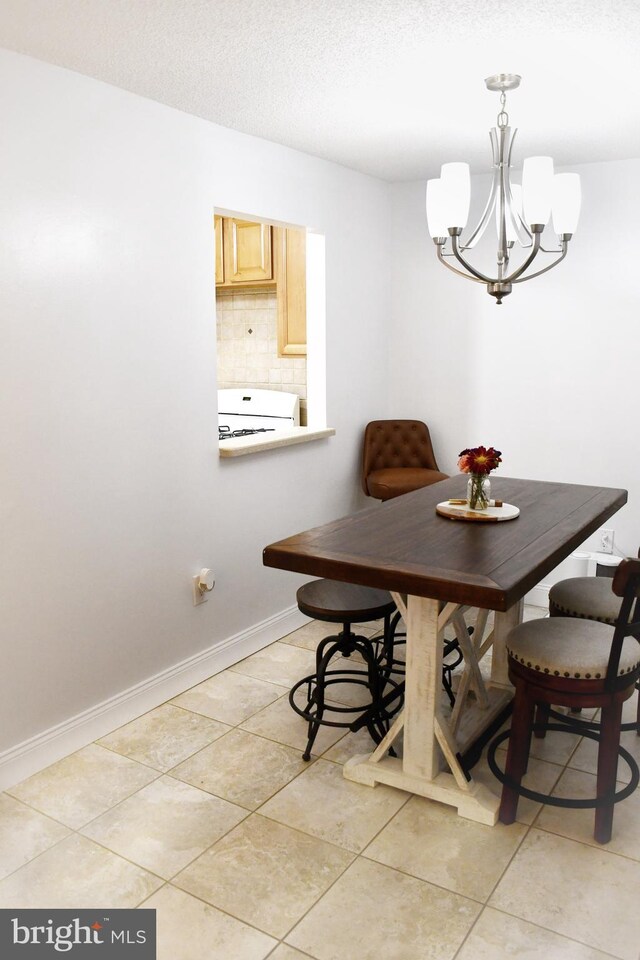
[
  {"x": 475, "y": 273},
  {"x": 527, "y": 263},
  {"x": 545, "y": 269},
  {"x": 441, "y": 258},
  {"x": 522, "y": 230}
]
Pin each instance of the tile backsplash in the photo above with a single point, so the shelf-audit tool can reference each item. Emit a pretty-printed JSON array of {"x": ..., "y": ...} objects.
[{"x": 247, "y": 338}]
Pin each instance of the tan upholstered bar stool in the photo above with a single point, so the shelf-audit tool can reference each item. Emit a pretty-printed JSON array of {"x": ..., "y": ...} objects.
[
  {"x": 588, "y": 598},
  {"x": 575, "y": 662}
]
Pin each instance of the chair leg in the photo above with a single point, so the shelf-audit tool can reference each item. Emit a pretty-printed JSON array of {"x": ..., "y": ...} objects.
[
  {"x": 375, "y": 684},
  {"x": 317, "y": 696},
  {"x": 607, "y": 768},
  {"x": 518, "y": 752},
  {"x": 388, "y": 636},
  {"x": 542, "y": 719},
  {"x": 387, "y": 652},
  {"x": 333, "y": 641},
  {"x": 638, "y": 713}
]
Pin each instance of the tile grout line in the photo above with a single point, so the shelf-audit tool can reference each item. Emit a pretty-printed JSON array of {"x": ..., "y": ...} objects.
[
  {"x": 38, "y": 855},
  {"x": 496, "y": 884},
  {"x": 188, "y": 893}
]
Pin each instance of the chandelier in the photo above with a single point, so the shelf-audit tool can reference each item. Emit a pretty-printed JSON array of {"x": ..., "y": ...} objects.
[{"x": 521, "y": 211}]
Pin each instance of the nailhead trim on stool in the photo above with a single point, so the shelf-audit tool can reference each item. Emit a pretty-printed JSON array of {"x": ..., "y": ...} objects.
[
  {"x": 569, "y": 647},
  {"x": 588, "y": 597}
]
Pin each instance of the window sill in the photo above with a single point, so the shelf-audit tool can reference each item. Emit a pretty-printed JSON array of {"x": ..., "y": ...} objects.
[{"x": 241, "y": 446}]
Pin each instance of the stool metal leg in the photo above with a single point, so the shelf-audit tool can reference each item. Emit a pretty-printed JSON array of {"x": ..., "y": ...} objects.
[
  {"x": 346, "y": 643},
  {"x": 375, "y": 727},
  {"x": 317, "y": 696},
  {"x": 388, "y": 640},
  {"x": 322, "y": 646}
]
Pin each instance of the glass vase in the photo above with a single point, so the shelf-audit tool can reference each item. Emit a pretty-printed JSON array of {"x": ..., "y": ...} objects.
[{"x": 478, "y": 491}]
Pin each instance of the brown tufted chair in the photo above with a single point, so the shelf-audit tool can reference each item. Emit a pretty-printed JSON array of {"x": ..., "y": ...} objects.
[{"x": 397, "y": 458}]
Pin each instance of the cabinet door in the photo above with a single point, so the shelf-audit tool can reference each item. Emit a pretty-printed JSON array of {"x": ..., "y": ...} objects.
[
  {"x": 292, "y": 292},
  {"x": 219, "y": 250},
  {"x": 247, "y": 251}
]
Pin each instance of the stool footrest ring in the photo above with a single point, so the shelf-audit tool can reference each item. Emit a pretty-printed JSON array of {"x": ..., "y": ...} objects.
[
  {"x": 564, "y": 801},
  {"x": 373, "y": 710},
  {"x": 579, "y": 726}
]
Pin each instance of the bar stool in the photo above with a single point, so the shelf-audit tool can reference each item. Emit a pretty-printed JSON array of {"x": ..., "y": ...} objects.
[
  {"x": 574, "y": 662},
  {"x": 346, "y": 604},
  {"x": 588, "y": 598}
]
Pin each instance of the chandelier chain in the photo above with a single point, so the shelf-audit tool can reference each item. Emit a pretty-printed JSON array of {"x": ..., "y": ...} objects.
[{"x": 503, "y": 116}]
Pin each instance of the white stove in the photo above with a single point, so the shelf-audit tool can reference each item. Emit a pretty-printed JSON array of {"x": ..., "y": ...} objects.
[{"x": 244, "y": 411}]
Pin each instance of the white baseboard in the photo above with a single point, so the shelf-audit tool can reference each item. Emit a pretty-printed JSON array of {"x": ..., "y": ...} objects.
[
  {"x": 539, "y": 596},
  {"x": 45, "y": 748}
]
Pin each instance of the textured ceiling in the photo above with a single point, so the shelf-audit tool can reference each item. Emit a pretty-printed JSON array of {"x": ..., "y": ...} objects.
[{"x": 389, "y": 87}]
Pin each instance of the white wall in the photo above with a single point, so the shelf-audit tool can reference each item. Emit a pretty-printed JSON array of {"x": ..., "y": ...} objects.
[
  {"x": 112, "y": 493},
  {"x": 551, "y": 376}
]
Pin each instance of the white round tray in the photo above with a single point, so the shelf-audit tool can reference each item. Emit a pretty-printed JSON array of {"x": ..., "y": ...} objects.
[{"x": 461, "y": 512}]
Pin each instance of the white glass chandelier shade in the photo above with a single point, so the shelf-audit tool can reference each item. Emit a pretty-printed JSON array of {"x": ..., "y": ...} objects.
[
  {"x": 537, "y": 187},
  {"x": 565, "y": 202},
  {"x": 520, "y": 212},
  {"x": 456, "y": 193},
  {"x": 436, "y": 219}
]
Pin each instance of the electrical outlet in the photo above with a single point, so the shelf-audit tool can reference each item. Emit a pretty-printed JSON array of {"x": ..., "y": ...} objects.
[
  {"x": 199, "y": 596},
  {"x": 606, "y": 541}
]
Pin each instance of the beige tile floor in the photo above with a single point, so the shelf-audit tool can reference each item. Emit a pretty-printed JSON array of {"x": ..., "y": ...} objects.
[{"x": 204, "y": 810}]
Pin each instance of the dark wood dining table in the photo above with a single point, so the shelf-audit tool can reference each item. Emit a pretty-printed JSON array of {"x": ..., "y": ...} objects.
[{"x": 436, "y": 569}]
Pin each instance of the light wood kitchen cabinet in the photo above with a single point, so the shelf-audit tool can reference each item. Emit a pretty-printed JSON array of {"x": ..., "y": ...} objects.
[
  {"x": 243, "y": 252},
  {"x": 290, "y": 261},
  {"x": 251, "y": 256}
]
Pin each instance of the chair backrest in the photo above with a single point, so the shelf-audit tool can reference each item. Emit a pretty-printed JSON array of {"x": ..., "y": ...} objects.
[
  {"x": 396, "y": 443},
  {"x": 626, "y": 584}
]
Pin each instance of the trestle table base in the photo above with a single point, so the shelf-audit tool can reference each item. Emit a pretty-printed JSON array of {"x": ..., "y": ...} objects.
[{"x": 431, "y": 742}]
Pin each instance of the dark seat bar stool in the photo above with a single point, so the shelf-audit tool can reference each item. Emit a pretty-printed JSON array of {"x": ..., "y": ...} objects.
[
  {"x": 587, "y": 598},
  {"x": 574, "y": 662},
  {"x": 346, "y": 604}
]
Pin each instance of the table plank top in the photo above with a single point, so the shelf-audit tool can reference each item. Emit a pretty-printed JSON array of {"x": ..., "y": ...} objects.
[{"x": 403, "y": 545}]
